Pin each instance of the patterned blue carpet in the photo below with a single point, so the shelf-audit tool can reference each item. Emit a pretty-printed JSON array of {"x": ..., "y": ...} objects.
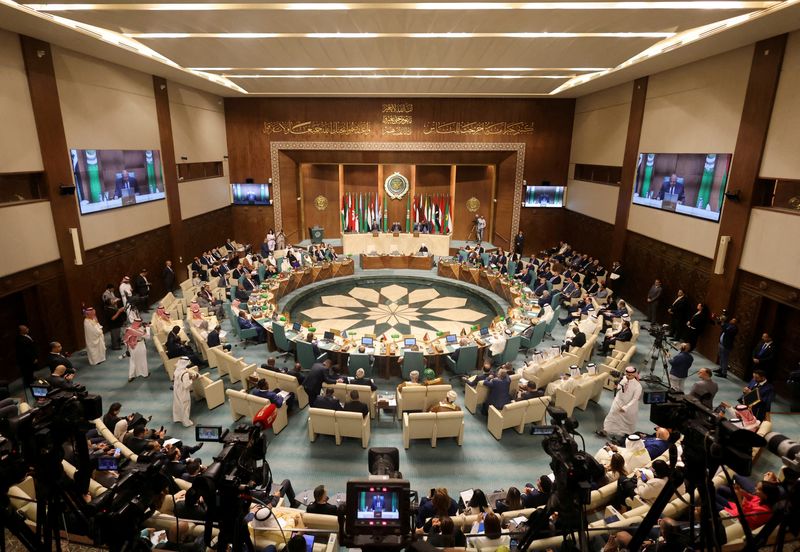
[{"x": 482, "y": 462}]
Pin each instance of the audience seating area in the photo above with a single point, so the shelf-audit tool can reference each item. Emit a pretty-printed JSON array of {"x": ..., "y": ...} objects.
[
  {"x": 517, "y": 414},
  {"x": 433, "y": 425},
  {"x": 418, "y": 398},
  {"x": 243, "y": 404},
  {"x": 338, "y": 423}
]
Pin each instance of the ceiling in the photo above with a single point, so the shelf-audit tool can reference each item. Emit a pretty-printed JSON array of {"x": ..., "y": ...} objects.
[{"x": 452, "y": 49}]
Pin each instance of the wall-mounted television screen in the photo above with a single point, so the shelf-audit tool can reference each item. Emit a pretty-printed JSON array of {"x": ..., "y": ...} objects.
[
  {"x": 543, "y": 196},
  {"x": 107, "y": 179},
  {"x": 251, "y": 194},
  {"x": 687, "y": 183}
]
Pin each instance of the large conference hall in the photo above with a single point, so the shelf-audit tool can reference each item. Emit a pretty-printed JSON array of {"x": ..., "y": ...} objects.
[{"x": 375, "y": 275}]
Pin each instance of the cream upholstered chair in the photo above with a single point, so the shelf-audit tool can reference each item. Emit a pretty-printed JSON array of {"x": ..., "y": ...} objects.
[
  {"x": 474, "y": 396},
  {"x": 285, "y": 382},
  {"x": 449, "y": 424},
  {"x": 616, "y": 362},
  {"x": 243, "y": 404},
  {"x": 321, "y": 421},
  {"x": 512, "y": 415},
  {"x": 436, "y": 394},
  {"x": 419, "y": 425},
  {"x": 240, "y": 371},
  {"x": 339, "y": 390},
  {"x": 411, "y": 398},
  {"x": 536, "y": 411},
  {"x": 169, "y": 363},
  {"x": 212, "y": 391},
  {"x": 352, "y": 424}
]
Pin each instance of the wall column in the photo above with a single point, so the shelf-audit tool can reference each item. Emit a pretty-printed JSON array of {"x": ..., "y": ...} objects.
[
  {"x": 170, "y": 171},
  {"x": 38, "y": 58},
  {"x": 620, "y": 234},
  {"x": 756, "y": 113}
]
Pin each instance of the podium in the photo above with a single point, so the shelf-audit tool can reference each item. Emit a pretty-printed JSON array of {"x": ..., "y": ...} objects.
[{"x": 317, "y": 234}]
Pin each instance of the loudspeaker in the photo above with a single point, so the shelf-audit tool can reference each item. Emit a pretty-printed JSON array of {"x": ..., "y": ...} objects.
[
  {"x": 249, "y": 181},
  {"x": 64, "y": 189},
  {"x": 732, "y": 195}
]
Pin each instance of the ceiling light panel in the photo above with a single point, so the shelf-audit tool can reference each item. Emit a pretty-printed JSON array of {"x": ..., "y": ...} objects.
[
  {"x": 581, "y": 21},
  {"x": 400, "y": 52}
]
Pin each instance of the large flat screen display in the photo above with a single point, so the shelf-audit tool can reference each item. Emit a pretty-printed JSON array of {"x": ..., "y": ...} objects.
[
  {"x": 543, "y": 196},
  {"x": 107, "y": 179},
  {"x": 251, "y": 194},
  {"x": 686, "y": 183}
]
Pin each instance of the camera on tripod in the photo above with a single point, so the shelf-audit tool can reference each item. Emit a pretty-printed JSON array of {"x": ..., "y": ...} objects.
[{"x": 659, "y": 333}]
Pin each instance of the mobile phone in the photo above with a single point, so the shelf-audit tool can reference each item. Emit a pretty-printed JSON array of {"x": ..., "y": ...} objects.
[{"x": 117, "y": 451}]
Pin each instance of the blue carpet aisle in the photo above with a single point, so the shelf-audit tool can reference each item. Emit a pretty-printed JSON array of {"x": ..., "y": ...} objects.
[{"x": 482, "y": 462}]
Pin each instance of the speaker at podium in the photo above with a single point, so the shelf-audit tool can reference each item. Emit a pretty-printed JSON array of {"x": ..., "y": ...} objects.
[{"x": 317, "y": 234}]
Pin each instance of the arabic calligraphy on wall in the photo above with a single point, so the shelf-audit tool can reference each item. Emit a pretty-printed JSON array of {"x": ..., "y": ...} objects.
[
  {"x": 397, "y": 108},
  {"x": 318, "y": 128},
  {"x": 481, "y": 128}
]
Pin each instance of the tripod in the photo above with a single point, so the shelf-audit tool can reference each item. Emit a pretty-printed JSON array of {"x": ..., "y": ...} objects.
[
  {"x": 658, "y": 351},
  {"x": 473, "y": 233}
]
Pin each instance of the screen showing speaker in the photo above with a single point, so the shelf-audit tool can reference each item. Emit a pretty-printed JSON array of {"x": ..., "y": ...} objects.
[
  {"x": 251, "y": 194},
  {"x": 686, "y": 183},
  {"x": 107, "y": 179},
  {"x": 543, "y": 196}
]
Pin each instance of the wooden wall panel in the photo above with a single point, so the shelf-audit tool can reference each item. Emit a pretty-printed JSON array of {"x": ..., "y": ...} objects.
[
  {"x": 360, "y": 179},
  {"x": 471, "y": 181},
  {"x": 251, "y": 223},
  {"x": 588, "y": 235},
  {"x": 209, "y": 230},
  {"x": 500, "y": 212},
  {"x": 542, "y": 228},
  {"x": 321, "y": 180},
  {"x": 397, "y": 208},
  {"x": 289, "y": 203}
]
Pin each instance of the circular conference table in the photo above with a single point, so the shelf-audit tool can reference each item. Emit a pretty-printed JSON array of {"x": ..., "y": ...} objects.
[{"x": 388, "y": 350}]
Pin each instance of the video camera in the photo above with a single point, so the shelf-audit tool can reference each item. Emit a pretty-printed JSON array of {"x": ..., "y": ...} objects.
[
  {"x": 706, "y": 436},
  {"x": 659, "y": 333}
]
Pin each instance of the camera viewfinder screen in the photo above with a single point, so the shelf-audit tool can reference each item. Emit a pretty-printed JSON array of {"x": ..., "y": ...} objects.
[
  {"x": 378, "y": 506},
  {"x": 208, "y": 433}
]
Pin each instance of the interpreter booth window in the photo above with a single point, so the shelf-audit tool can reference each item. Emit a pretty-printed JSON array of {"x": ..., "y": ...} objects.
[
  {"x": 16, "y": 187},
  {"x": 778, "y": 194}
]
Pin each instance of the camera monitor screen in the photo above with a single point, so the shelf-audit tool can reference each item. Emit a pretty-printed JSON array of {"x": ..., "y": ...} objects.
[
  {"x": 107, "y": 463},
  {"x": 686, "y": 183},
  {"x": 107, "y": 179},
  {"x": 251, "y": 194},
  {"x": 208, "y": 434},
  {"x": 409, "y": 341},
  {"x": 543, "y": 196},
  {"x": 378, "y": 506},
  {"x": 39, "y": 391}
]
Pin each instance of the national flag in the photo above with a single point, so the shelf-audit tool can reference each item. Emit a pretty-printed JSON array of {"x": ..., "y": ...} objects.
[
  {"x": 342, "y": 213},
  {"x": 151, "y": 171},
  {"x": 76, "y": 172},
  {"x": 648, "y": 175},
  {"x": 408, "y": 213},
  {"x": 385, "y": 214},
  {"x": 447, "y": 216},
  {"x": 706, "y": 181},
  {"x": 93, "y": 172}
]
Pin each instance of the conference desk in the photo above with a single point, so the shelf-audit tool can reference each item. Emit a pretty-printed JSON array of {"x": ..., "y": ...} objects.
[
  {"x": 403, "y": 243},
  {"x": 419, "y": 262}
]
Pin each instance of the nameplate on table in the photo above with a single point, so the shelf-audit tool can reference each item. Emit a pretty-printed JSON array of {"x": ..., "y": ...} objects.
[
  {"x": 375, "y": 234},
  {"x": 396, "y": 234},
  {"x": 416, "y": 234}
]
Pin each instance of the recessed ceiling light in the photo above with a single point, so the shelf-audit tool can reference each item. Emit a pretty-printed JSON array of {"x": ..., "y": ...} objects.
[
  {"x": 448, "y": 69},
  {"x": 153, "y": 36},
  {"x": 378, "y": 76},
  {"x": 402, "y": 6}
]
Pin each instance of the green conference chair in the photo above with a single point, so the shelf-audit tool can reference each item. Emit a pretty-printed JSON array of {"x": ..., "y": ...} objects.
[
  {"x": 485, "y": 259},
  {"x": 305, "y": 355},
  {"x": 262, "y": 271},
  {"x": 462, "y": 256},
  {"x": 512, "y": 349},
  {"x": 243, "y": 334},
  {"x": 512, "y": 269},
  {"x": 536, "y": 337},
  {"x": 413, "y": 360},
  {"x": 281, "y": 341},
  {"x": 360, "y": 360},
  {"x": 556, "y": 299},
  {"x": 467, "y": 359},
  {"x": 552, "y": 324}
]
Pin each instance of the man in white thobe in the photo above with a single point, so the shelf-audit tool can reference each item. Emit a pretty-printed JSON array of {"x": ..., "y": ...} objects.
[
  {"x": 95, "y": 340},
  {"x": 624, "y": 412},
  {"x": 134, "y": 339},
  {"x": 181, "y": 389},
  {"x": 125, "y": 290}
]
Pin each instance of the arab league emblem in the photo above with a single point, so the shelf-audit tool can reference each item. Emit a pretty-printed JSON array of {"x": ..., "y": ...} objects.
[
  {"x": 396, "y": 186},
  {"x": 321, "y": 203},
  {"x": 473, "y": 204}
]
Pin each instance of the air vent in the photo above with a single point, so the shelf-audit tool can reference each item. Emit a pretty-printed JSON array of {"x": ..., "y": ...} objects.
[
  {"x": 711, "y": 31},
  {"x": 672, "y": 47}
]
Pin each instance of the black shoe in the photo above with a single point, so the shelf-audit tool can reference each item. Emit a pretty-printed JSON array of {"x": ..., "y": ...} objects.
[
  {"x": 192, "y": 450},
  {"x": 601, "y": 433},
  {"x": 296, "y": 503}
]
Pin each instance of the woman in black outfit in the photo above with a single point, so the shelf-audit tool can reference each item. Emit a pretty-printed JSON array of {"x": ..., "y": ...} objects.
[{"x": 697, "y": 324}]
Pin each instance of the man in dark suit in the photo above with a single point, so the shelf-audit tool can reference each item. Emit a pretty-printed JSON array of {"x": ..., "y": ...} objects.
[
  {"x": 141, "y": 288},
  {"x": 356, "y": 405},
  {"x": 361, "y": 380},
  {"x": 27, "y": 356},
  {"x": 395, "y": 227},
  {"x": 262, "y": 390},
  {"x": 623, "y": 334},
  {"x": 137, "y": 440},
  {"x": 679, "y": 312},
  {"x": 54, "y": 358},
  {"x": 60, "y": 379},
  {"x": 519, "y": 242},
  {"x": 766, "y": 393},
  {"x": 764, "y": 354},
  {"x": 729, "y": 332},
  {"x": 168, "y": 276},
  {"x": 314, "y": 347},
  {"x": 672, "y": 186},
  {"x": 320, "y": 373},
  {"x": 125, "y": 185},
  {"x": 541, "y": 287},
  {"x": 679, "y": 367},
  {"x": 320, "y": 504},
  {"x": 577, "y": 340},
  {"x": 498, "y": 395},
  {"x": 328, "y": 401},
  {"x": 212, "y": 339}
]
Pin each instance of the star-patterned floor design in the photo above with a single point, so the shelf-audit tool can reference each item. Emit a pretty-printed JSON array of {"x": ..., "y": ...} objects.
[{"x": 393, "y": 305}]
